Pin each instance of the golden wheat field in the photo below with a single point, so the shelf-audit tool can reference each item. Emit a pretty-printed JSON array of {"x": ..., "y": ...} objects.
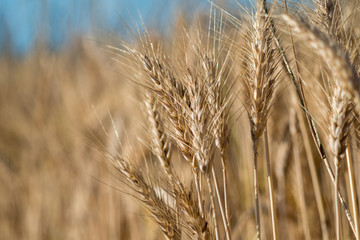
[{"x": 238, "y": 124}]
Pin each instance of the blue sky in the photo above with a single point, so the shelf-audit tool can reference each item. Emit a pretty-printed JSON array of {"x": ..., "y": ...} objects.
[{"x": 23, "y": 22}]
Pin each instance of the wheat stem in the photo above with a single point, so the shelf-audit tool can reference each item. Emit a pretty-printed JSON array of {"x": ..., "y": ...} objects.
[
  {"x": 217, "y": 191},
  {"x": 337, "y": 208},
  {"x": 352, "y": 190},
  {"x": 314, "y": 176},
  {"x": 299, "y": 174},
  {"x": 300, "y": 93},
  {"x": 226, "y": 201},
  {"x": 270, "y": 185},
  {"x": 212, "y": 203},
  {"x": 256, "y": 190},
  {"x": 198, "y": 192}
]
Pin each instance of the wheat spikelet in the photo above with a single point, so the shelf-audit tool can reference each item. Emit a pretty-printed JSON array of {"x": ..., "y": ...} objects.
[
  {"x": 198, "y": 225},
  {"x": 159, "y": 211},
  {"x": 160, "y": 144},
  {"x": 329, "y": 18}
]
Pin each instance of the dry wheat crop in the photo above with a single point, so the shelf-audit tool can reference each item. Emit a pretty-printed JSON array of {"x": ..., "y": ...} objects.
[{"x": 240, "y": 124}]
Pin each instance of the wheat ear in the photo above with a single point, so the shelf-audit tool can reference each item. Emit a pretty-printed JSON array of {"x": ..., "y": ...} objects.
[
  {"x": 160, "y": 145},
  {"x": 170, "y": 93},
  {"x": 328, "y": 16},
  {"x": 335, "y": 57}
]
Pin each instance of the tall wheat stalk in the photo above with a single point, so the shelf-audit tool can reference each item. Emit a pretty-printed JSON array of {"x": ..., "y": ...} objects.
[
  {"x": 218, "y": 107},
  {"x": 328, "y": 15},
  {"x": 260, "y": 83}
]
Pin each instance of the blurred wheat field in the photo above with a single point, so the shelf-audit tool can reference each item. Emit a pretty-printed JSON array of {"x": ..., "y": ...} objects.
[{"x": 234, "y": 126}]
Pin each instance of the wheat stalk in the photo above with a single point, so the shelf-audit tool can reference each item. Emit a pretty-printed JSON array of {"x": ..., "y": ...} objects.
[
  {"x": 219, "y": 112},
  {"x": 328, "y": 14},
  {"x": 201, "y": 137},
  {"x": 261, "y": 83}
]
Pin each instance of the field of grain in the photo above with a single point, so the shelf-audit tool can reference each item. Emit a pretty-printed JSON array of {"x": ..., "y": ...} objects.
[{"x": 240, "y": 125}]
